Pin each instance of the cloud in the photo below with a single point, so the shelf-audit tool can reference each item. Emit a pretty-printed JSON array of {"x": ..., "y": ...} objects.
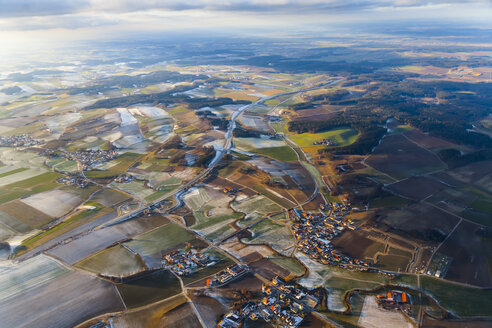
[{"x": 27, "y": 8}]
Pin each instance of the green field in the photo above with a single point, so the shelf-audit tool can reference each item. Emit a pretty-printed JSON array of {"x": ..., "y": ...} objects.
[
  {"x": 393, "y": 262},
  {"x": 114, "y": 261},
  {"x": 483, "y": 205},
  {"x": 20, "y": 169},
  {"x": 159, "y": 239},
  {"x": 204, "y": 221},
  {"x": 342, "y": 136},
  {"x": 289, "y": 264},
  {"x": 158, "y": 194},
  {"x": 283, "y": 154},
  {"x": 464, "y": 301},
  {"x": 220, "y": 233},
  {"x": 264, "y": 227},
  {"x": 136, "y": 188}
]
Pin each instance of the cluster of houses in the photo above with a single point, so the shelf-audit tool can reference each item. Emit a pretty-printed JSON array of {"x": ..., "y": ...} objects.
[
  {"x": 282, "y": 304},
  {"x": 439, "y": 266},
  {"x": 230, "y": 191},
  {"x": 326, "y": 142},
  {"x": 314, "y": 232},
  {"x": 395, "y": 300},
  {"x": 124, "y": 178},
  {"x": 185, "y": 262},
  {"x": 90, "y": 158},
  {"x": 337, "y": 209},
  {"x": 23, "y": 140},
  {"x": 74, "y": 180},
  {"x": 227, "y": 275}
]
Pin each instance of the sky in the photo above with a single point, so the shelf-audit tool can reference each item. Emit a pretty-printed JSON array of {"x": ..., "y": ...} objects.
[{"x": 26, "y": 24}]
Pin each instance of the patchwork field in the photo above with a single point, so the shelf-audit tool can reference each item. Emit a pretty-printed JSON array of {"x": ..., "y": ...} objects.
[
  {"x": 258, "y": 204},
  {"x": 42, "y": 182},
  {"x": 197, "y": 198},
  {"x": 277, "y": 236},
  {"x": 25, "y": 214}
]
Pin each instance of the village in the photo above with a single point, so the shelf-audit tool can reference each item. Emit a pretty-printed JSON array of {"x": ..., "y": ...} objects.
[
  {"x": 124, "y": 178},
  {"x": 227, "y": 275},
  {"x": 185, "y": 262},
  {"x": 283, "y": 304},
  {"x": 90, "y": 158},
  {"x": 23, "y": 140},
  {"x": 314, "y": 232},
  {"x": 74, "y": 180},
  {"x": 326, "y": 142}
]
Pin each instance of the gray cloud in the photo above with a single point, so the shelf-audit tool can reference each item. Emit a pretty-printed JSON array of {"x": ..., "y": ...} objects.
[{"x": 29, "y": 8}]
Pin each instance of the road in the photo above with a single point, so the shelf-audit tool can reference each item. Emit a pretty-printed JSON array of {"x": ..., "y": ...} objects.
[{"x": 228, "y": 144}]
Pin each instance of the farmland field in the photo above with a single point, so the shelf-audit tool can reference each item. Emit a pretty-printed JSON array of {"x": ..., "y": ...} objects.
[
  {"x": 290, "y": 264},
  {"x": 258, "y": 204},
  {"x": 64, "y": 302},
  {"x": 136, "y": 188},
  {"x": 400, "y": 158},
  {"x": 342, "y": 137},
  {"x": 149, "y": 288},
  {"x": 75, "y": 220},
  {"x": 249, "y": 144},
  {"x": 356, "y": 245},
  {"x": 273, "y": 234},
  {"x": 25, "y": 214},
  {"x": 470, "y": 251},
  {"x": 53, "y": 203},
  {"x": 197, "y": 198},
  {"x": 43, "y": 182},
  {"x": 30, "y": 274},
  {"x": 472, "y": 301},
  {"x": 159, "y": 239},
  {"x": 420, "y": 221},
  {"x": 114, "y": 261},
  {"x": 283, "y": 153},
  {"x": 149, "y": 316}
]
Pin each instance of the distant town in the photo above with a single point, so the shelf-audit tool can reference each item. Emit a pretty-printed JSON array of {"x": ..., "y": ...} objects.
[{"x": 23, "y": 140}]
